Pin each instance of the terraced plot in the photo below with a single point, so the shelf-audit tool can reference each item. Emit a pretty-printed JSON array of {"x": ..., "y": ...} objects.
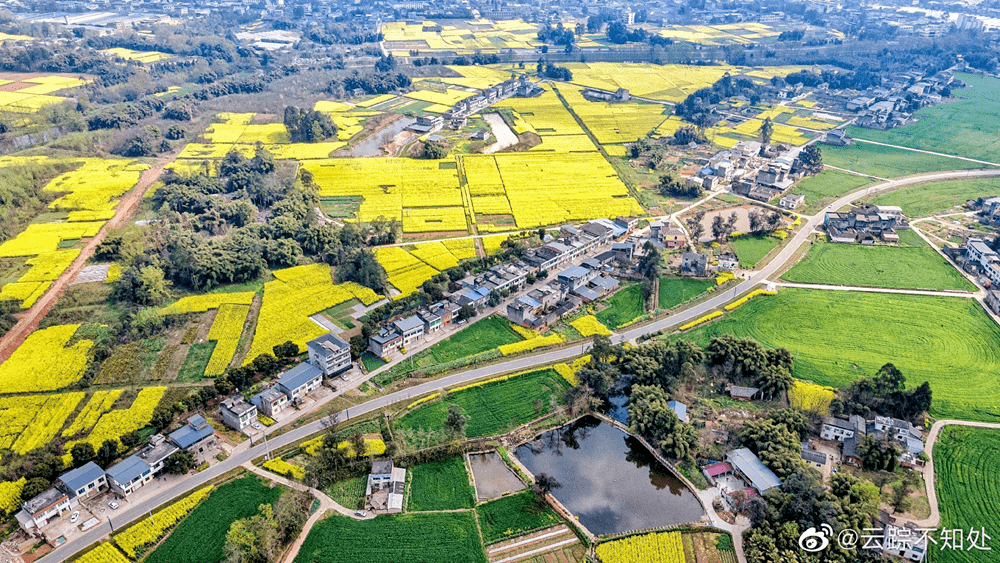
[
  {"x": 919, "y": 267},
  {"x": 838, "y": 336},
  {"x": 967, "y": 488}
]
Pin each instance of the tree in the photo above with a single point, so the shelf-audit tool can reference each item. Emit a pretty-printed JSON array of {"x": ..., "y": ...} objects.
[
  {"x": 286, "y": 350},
  {"x": 134, "y": 438},
  {"x": 179, "y": 463},
  {"x": 877, "y": 454},
  {"x": 466, "y": 312},
  {"x": 774, "y": 381},
  {"x": 651, "y": 417},
  {"x": 455, "y": 422},
  {"x": 82, "y": 452},
  {"x": 107, "y": 453},
  {"x": 362, "y": 267},
  {"x": 308, "y": 125},
  {"x": 435, "y": 150},
  {"x": 142, "y": 285},
  {"x": 254, "y": 539},
  {"x": 811, "y": 159},
  {"x": 291, "y": 512},
  {"x": 545, "y": 484},
  {"x": 162, "y": 418},
  {"x": 777, "y": 446},
  {"x": 766, "y": 130},
  {"x": 358, "y": 346},
  {"x": 33, "y": 487}
]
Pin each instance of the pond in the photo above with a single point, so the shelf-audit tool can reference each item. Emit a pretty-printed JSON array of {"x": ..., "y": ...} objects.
[
  {"x": 372, "y": 146},
  {"x": 493, "y": 477},
  {"x": 610, "y": 481}
]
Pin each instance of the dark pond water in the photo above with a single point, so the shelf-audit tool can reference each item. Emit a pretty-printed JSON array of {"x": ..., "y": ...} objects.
[
  {"x": 618, "y": 408},
  {"x": 609, "y": 480},
  {"x": 372, "y": 146},
  {"x": 493, "y": 477}
]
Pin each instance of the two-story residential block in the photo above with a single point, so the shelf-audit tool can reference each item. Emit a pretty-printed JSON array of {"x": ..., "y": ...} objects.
[
  {"x": 900, "y": 431},
  {"x": 237, "y": 413},
  {"x": 840, "y": 429},
  {"x": 157, "y": 451},
  {"x": 412, "y": 328},
  {"x": 38, "y": 511},
  {"x": 297, "y": 382},
  {"x": 129, "y": 475},
  {"x": 330, "y": 354},
  {"x": 385, "y": 341},
  {"x": 983, "y": 259},
  {"x": 84, "y": 481}
]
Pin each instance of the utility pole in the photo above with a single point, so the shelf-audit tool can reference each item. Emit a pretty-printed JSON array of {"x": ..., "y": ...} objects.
[{"x": 267, "y": 449}]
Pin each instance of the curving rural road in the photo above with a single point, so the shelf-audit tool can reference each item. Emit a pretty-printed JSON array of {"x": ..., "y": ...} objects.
[{"x": 130, "y": 514}]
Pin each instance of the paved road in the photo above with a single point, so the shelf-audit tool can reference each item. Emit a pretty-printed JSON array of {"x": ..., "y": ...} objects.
[{"x": 74, "y": 546}]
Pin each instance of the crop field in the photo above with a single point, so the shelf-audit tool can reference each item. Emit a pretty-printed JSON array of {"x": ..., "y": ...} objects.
[
  {"x": 927, "y": 199},
  {"x": 966, "y": 127},
  {"x": 116, "y": 422},
  {"x": 752, "y": 249},
  {"x": 103, "y": 553},
  {"x": 480, "y": 77},
  {"x": 227, "y": 328},
  {"x": 288, "y": 302},
  {"x": 207, "y": 302},
  {"x": 512, "y": 516},
  {"x": 349, "y": 492},
  {"x": 32, "y": 94},
  {"x": 149, "y": 530},
  {"x": 413, "y": 538},
  {"x": 200, "y": 537},
  {"x": 674, "y": 291},
  {"x": 822, "y": 189},
  {"x": 968, "y": 495},
  {"x": 657, "y": 547},
  {"x": 546, "y": 113},
  {"x": 45, "y": 361},
  {"x": 407, "y": 270},
  {"x": 839, "y": 336},
  {"x": 28, "y": 422},
  {"x": 141, "y": 56},
  {"x": 448, "y": 97},
  {"x": 98, "y": 404},
  {"x": 889, "y": 162},
  {"x": 670, "y": 83},
  {"x": 623, "y": 307},
  {"x": 493, "y": 408},
  {"x": 617, "y": 123},
  {"x": 728, "y": 136},
  {"x": 473, "y": 36},
  {"x": 723, "y": 34},
  {"x": 482, "y": 335},
  {"x": 919, "y": 267},
  {"x": 441, "y": 485},
  {"x": 588, "y": 325}
]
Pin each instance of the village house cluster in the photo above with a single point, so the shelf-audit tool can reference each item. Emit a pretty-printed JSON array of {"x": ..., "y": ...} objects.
[{"x": 865, "y": 224}]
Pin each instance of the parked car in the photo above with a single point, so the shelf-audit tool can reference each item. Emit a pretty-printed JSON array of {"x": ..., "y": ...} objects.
[
  {"x": 113, "y": 505},
  {"x": 255, "y": 426},
  {"x": 74, "y": 517},
  {"x": 360, "y": 513}
]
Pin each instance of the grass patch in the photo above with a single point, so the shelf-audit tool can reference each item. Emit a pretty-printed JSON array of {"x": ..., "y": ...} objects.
[
  {"x": 839, "y": 336},
  {"x": 918, "y": 267},
  {"x": 623, "y": 307},
  {"x": 200, "y": 537},
  {"x": 513, "y": 516},
  {"x": 196, "y": 361},
  {"x": 752, "y": 249},
  {"x": 968, "y": 492},
  {"x": 489, "y": 409},
  {"x": 350, "y": 492},
  {"x": 674, "y": 291},
  {"x": 889, "y": 162},
  {"x": 441, "y": 485},
  {"x": 927, "y": 199},
  {"x": 965, "y": 127},
  {"x": 480, "y": 336},
  {"x": 413, "y": 538},
  {"x": 822, "y": 189},
  {"x": 371, "y": 361}
]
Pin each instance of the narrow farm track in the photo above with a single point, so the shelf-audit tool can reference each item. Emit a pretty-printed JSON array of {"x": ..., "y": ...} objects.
[
  {"x": 131, "y": 513},
  {"x": 30, "y": 319},
  {"x": 934, "y": 519},
  {"x": 829, "y": 287},
  {"x": 932, "y": 153}
]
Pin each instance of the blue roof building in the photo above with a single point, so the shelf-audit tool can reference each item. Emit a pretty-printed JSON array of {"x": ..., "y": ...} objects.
[
  {"x": 84, "y": 480},
  {"x": 196, "y": 431},
  {"x": 128, "y": 475},
  {"x": 680, "y": 409},
  {"x": 300, "y": 380}
]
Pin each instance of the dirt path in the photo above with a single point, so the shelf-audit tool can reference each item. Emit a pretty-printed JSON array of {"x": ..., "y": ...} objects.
[
  {"x": 125, "y": 208},
  {"x": 934, "y": 519}
]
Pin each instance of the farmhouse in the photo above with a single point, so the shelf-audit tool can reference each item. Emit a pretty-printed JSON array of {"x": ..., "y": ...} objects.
[
  {"x": 384, "y": 341},
  {"x": 748, "y": 468},
  {"x": 694, "y": 263},
  {"x": 157, "y": 452},
  {"x": 386, "y": 488},
  {"x": 900, "y": 431},
  {"x": 237, "y": 413},
  {"x": 195, "y": 435},
  {"x": 742, "y": 393},
  {"x": 270, "y": 401},
  {"x": 129, "y": 475},
  {"x": 840, "y": 429},
  {"x": 84, "y": 481},
  {"x": 900, "y": 538},
  {"x": 300, "y": 380},
  {"x": 814, "y": 458},
  {"x": 680, "y": 409},
  {"x": 36, "y": 512},
  {"x": 865, "y": 223},
  {"x": 330, "y": 353},
  {"x": 728, "y": 261},
  {"x": 792, "y": 201},
  {"x": 983, "y": 260}
]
